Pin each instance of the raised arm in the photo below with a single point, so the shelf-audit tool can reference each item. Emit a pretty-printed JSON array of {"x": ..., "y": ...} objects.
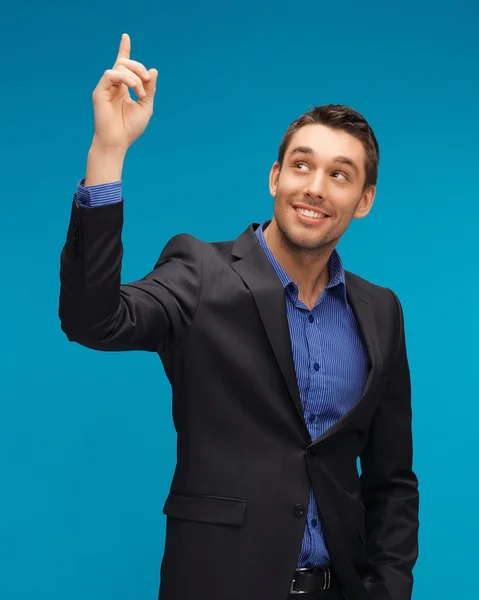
[{"x": 95, "y": 309}]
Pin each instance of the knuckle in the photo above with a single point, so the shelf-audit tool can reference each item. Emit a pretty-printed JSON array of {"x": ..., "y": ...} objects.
[{"x": 127, "y": 71}]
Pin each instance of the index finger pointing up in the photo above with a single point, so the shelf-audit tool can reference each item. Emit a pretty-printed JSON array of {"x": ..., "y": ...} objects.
[{"x": 125, "y": 47}]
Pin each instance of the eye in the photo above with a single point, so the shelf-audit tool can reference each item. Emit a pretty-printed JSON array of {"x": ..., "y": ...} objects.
[
  {"x": 301, "y": 163},
  {"x": 339, "y": 173}
]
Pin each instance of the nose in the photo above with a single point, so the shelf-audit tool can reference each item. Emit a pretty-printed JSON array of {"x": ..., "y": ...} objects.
[{"x": 316, "y": 185}]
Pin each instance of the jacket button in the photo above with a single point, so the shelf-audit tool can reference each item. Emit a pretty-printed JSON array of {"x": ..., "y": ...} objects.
[
  {"x": 299, "y": 510},
  {"x": 311, "y": 451}
]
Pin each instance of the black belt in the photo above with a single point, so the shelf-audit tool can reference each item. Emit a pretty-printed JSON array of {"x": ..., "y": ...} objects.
[{"x": 312, "y": 580}]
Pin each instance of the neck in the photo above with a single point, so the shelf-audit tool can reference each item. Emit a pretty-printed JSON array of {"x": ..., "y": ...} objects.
[{"x": 307, "y": 268}]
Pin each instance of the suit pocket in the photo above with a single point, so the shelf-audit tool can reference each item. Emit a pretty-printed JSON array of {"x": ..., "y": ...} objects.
[{"x": 206, "y": 509}]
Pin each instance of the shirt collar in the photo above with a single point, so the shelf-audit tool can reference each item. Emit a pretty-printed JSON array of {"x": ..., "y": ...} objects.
[{"x": 337, "y": 277}]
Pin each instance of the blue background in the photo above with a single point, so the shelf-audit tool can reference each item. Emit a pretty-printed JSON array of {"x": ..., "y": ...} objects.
[{"x": 87, "y": 445}]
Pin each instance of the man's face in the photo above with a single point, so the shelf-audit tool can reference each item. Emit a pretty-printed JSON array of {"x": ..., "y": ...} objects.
[{"x": 323, "y": 170}]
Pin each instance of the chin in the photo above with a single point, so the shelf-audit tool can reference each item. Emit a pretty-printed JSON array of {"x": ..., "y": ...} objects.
[{"x": 300, "y": 239}]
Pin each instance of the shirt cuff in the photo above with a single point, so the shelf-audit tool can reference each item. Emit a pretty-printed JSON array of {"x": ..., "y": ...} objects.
[{"x": 98, "y": 195}]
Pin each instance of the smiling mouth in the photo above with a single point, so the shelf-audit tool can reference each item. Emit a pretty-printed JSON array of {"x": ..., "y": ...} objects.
[{"x": 310, "y": 214}]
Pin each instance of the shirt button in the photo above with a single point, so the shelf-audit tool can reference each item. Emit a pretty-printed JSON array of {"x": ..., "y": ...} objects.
[
  {"x": 314, "y": 522},
  {"x": 311, "y": 318},
  {"x": 312, "y": 418},
  {"x": 316, "y": 367},
  {"x": 299, "y": 510}
]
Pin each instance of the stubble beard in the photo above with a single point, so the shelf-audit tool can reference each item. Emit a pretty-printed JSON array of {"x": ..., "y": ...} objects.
[
  {"x": 315, "y": 246},
  {"x": 301, "y": 245}
]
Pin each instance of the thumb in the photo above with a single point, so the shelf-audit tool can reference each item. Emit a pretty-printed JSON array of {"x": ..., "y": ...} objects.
[{"x": 150, "y": 87}]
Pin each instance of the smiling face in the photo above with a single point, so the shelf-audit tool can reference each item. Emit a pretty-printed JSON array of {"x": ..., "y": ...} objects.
[{"x": 323, "y": 173}]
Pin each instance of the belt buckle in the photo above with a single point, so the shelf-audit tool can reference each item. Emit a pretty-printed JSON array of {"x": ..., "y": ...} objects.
[
  {"x": 327, "y": 581},
  {"x": 291, "y": 590}
]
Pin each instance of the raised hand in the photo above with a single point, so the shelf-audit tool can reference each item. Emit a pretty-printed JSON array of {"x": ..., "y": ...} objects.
[{"x": 120, "y": 120}]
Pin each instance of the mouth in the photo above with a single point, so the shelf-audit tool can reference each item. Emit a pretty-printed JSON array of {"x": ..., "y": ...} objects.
[{"x": 309, "y": 215}]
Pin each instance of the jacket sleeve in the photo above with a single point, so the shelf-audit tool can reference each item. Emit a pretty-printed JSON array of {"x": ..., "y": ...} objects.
[
  {"x": 389, "y": 487},
  {"x": 99, "y": 312}
]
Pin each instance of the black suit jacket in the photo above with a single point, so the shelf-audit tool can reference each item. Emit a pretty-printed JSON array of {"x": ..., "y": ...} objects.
[{"x": 216, "y": 315}]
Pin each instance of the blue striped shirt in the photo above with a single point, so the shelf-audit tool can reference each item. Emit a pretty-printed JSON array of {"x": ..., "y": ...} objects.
[
  {"x": 98, "y": 195},
  {"x": 332, "y": 365},
  {"x": 330, "y": 359}
]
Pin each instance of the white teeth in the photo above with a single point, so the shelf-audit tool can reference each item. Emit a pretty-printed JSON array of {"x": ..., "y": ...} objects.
[{"x": 310, "y": 213}]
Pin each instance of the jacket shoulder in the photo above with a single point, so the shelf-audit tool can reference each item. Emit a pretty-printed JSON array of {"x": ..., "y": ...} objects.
[
  {"x": 388, "y": 312},
  {"x": 377, "y": 293},
  {"x": 187, "y": 242}
]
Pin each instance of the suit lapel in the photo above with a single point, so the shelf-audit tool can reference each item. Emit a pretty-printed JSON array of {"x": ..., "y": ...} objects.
[
  {"x": 363, "y": 310},
  {"x": 258, "y": 274}
]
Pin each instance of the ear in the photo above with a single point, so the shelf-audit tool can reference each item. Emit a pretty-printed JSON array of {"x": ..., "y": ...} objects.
[
  {"x": 366, "y": 203},
  {"x": 273, "y": 178}
]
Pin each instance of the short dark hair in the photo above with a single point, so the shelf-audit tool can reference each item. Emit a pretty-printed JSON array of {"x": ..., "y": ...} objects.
[{"x": 338, "y": 116}]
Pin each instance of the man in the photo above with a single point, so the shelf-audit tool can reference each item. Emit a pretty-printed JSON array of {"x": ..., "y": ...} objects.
[{"x": 284, "y": 368}]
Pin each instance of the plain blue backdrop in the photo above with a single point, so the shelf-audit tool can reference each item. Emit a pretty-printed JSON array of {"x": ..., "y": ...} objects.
[{"x": 87, "y": 444}]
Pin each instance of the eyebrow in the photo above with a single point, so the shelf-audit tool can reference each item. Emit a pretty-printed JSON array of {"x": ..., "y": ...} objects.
[{"x": 341, "y": 159}]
